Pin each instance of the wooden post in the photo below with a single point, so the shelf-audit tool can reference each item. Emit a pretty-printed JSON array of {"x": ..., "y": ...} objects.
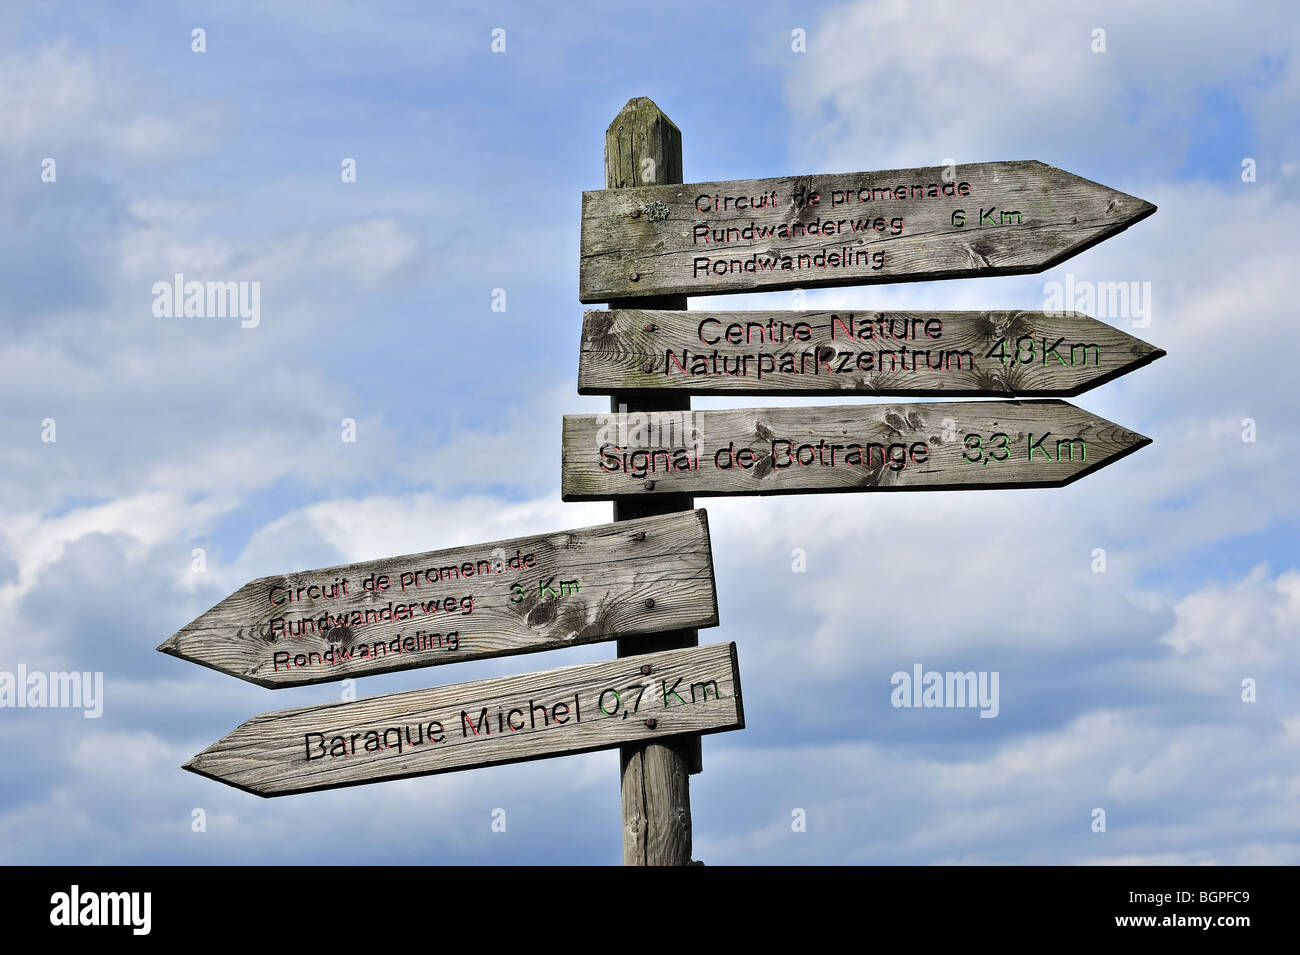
[{"x": 644, "y": 147}]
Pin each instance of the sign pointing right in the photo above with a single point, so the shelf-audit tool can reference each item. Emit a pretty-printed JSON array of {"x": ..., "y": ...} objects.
[
  {"x": 950, "y": 354},
  {"x": 900, "y": 225},
  {"x": 930, "y": 446}
]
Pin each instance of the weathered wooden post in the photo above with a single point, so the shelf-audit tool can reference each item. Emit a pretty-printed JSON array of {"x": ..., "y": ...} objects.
[
  {"x": 647, "y": 579},
  {"x": 644, "y": 147}
]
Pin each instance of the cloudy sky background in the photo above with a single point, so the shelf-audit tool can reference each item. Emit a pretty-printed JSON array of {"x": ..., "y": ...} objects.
[{"x": 1119, "y": 690}]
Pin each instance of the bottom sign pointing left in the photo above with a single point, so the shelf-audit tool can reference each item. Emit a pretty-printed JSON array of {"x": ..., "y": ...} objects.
[{"x": 485, "y": 723}]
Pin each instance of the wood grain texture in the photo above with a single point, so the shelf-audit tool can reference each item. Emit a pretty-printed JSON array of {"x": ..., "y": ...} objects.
[
  {"x": 693, "y": 690},
  {"x": 933, "y": 442},
  {"x": 650, "y": 232},
  {"x": 625, "y": 588},
  {"x": 643, "y": 146},
  {"x": 826, "y": 353}
]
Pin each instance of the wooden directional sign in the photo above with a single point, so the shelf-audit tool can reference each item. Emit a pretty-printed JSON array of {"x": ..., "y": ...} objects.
[
  {"x": 998, "y": 218},
  {"x": 845, "y": 352},
  {"x": 502, "y": 720},
  {"x": 535, "y": 593},
  {"x": 933, "y": 446}
]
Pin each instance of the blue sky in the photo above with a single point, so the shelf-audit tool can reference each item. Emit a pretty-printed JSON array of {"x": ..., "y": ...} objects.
[{"x": 1119, "y": 690}]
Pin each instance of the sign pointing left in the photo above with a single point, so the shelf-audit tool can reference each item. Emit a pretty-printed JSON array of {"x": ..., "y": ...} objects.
[
  {"x": 486, "y": 723},
  {"x": 467, "y": 603}
]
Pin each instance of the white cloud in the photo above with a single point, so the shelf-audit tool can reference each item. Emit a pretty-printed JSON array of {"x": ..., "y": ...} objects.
[
  {"x": 912, "y": 83},
  {"x": 66, "y": 103}
]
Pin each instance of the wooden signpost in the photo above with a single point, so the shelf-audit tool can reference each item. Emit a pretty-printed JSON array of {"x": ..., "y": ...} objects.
[
  {"x": 625, "y": 581},
  {"x": 502, "y": 720},
  {"x": 518, "y": 596},
  {"x": 642, "y": 145},
  {"x": 647, "y": 580},
  {"x": 955, "y": 354},
  {"x": 648, "y": 242},
  {"x": 994, "y": 218},
  {"x": 930, "y": 446}
]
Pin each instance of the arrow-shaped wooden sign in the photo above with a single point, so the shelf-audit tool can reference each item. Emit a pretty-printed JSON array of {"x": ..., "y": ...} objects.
[
  {"x": 933, "y": 446},
  {"x": 997, "y": 218},
  {"x": 535, "y": 593},
  {"x": 502, "y": 720},
  {"x": 954, "y": 354}
]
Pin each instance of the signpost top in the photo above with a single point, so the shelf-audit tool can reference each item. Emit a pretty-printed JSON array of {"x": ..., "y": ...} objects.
[{"x": 642, "y": 146}]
